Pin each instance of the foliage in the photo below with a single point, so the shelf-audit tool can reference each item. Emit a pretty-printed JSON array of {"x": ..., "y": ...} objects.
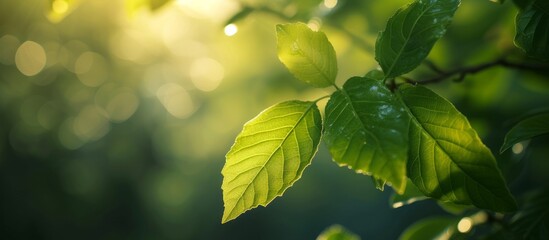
[
  {"x": 337, "y": 232},
  {"x": 394, "y": 130}
]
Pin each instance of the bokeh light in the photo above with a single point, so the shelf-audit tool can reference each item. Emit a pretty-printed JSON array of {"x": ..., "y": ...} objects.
[{"x": 30, "y": 58}]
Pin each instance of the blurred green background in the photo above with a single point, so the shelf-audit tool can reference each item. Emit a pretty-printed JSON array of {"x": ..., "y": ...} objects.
[{"x": 115, "y": 115}]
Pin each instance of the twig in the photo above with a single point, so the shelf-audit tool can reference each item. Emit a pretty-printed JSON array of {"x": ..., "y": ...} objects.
[{"x": 463, "y": 72}]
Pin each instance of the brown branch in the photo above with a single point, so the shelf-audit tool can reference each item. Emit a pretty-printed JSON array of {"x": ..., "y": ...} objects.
[{"x": 461, "y": 73}]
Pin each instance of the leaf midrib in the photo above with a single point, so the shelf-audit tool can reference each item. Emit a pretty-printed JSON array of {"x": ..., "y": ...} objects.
[
  {"x": 311, "y": 62},
  {"x": 270, "y": 157},
  {"x": 417, "y": 123},
  {"x": 362, "y": 124},
  {"x": 407, "y": 39}
]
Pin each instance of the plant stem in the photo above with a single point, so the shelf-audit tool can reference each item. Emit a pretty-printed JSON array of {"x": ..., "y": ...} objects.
[{"x": 462, "y": 72}]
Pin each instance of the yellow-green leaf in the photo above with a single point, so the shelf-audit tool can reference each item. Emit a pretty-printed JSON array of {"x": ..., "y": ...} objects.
[
  {"x": 269, "y": 155},
  {"x": 307, "y": 54}
]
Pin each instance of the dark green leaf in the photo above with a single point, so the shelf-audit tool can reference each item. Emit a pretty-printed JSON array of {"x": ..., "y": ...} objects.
[
  {"x": 308, "y": 55},
  {"x": 528, "y": 128},
  {"x": 532, "y": 221},
  {"x": 269, "y": 155},
  {"x": 448, "y": 161},
  {"x": 411, "y": 33},
  {"x": 411, "y": 194},
  {"x": 431, "y": 228},
  {"x": 533, "y": 29},
  {"x": 366, "y": 130},
  {"x": 337, "y": 232}
]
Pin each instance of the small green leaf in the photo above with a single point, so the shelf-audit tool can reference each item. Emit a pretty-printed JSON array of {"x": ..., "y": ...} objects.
[
  {"x": 532, "y": 221},
  {"x": 337, "y": 232},
  {"x": 528, "y": 128},
  {"x": 448, "y": 161},
  {"x": 308, "y": 55},
  {"x": 366, "y": 129},
  {"x": 269, "y": 155},
  {"x": 533, "y": 29},
  {"x": 411, "y": 195},
  {"x": 411, "y": 33},
  {"x": 431, "y": 228}
]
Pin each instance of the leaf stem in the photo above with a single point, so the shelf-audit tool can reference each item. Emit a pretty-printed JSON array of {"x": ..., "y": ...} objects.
[
  {"x": 320, "y": 98},
  {"x": 463, "y": 72}
]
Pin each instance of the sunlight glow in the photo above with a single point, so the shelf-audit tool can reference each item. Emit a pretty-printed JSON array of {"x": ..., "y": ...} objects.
[
  {"x": 315, "y": 24},
  {"x": 206, "y": 74},
  {"x": 518, "y": 148},
  {"x": 231, "y": 29},
  {"x": 330, "y": 3},
  {"x": 59, "y": 6},
  {"x": 30, "y": 58},
  {"x": 176, "y": 100},
  {"x": 465, "y": 225}
]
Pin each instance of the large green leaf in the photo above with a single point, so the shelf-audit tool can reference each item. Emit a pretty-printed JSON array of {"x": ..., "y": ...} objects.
[
  {"x": 526, "y": 129},
  {"x": 532, "y": 221},
  {"x": 533, "y": 29},
  {"x": 308, "y": 55},
  {"x": 366, "y": 129},
  {"x": 447, "y": 160},
  {"x": 269, "y": 155},
  {"x": 411, "y": 33},
  {"x": 431, "y": 228},
  {"x": 337, "y": 232}
]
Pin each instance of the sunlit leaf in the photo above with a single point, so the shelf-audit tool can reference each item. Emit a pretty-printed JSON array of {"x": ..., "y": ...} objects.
[
  {"x": 533, "y": 29},
  {"x": 308, "y": 55},
  {"x": 337, "y": 232},
  {"x": 366, "y": 129},
  {"x": 411, "y": 195},
  {"x": 448, "y": 161},
  {"x": 532, "y": 220},
  {"x": 411, "y": 33},
  {"x": 269, "y": 155},
  {"x": 431, "y": 228},
  {"x": 526, "y": 129}
]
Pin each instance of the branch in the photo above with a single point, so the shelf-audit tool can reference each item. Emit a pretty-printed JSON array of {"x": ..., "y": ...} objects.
[{"x": 463, "y": 72}]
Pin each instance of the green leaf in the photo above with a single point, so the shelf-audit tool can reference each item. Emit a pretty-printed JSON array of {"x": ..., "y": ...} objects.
[
  {"x": 337, "y": 232},
  {"x": 533, "y": 29},
  {"x": 448, "y": 161},
  {"x": 532, "y": 221},
  {"x": 366, "y": 130},
  {"x": 269, "y": 155},
  {"x": 411, "y": 33},
  {"x": 528, "y": 128},
  {"x": 308, "y": 55},
  {"x": 411, "y": 194},
  {"x": 431, "y": 228}
]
